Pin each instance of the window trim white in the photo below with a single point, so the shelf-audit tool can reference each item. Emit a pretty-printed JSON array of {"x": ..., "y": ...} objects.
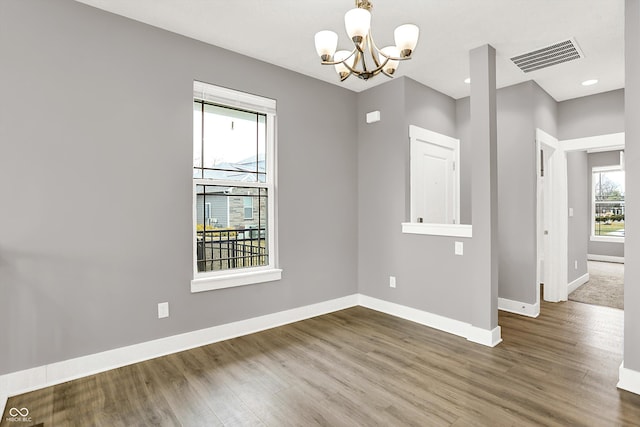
[
  {"x": 418, "y": 135},
  {"x": 245, "y": 276},
  {"x": 592, "y": 236}
]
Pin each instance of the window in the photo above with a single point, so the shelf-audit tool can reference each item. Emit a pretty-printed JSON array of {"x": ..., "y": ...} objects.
[
  {"x": 248, "y": 208},
  {"x": 608, "y": 204},
  {"x": 234, "y": 240}
]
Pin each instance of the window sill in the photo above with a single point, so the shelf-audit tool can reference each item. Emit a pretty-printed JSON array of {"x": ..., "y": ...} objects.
[
  {"x": 231, "y": 280},
  {"x": 609, "y": 239},
  {"x": 452, "y": 230}
]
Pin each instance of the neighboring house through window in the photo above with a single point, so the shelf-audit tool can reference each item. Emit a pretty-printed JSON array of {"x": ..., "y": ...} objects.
[
  {"x": 233, "y": 188},
  {"x": 608, "y": 213}
]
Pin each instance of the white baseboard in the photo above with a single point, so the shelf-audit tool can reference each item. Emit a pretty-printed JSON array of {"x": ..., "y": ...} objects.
[
  {"x": 485, "y": 337},
  {"x": 577, "y": 283},
  {"x": 56, "y": 373},
  {"x": 446, "y": 324},
  {"x": 629, "y": 379},
  {"x": 431, "y": 320},
  {"x": 606, "y": 258},
  {"x": 517, "y": 307}
]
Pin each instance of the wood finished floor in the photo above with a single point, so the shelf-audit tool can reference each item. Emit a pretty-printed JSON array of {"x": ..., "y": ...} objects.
[{"x": 360, "y": 367}]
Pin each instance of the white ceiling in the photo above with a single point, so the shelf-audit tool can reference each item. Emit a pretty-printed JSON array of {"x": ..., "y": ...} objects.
[{"x": 281, "y": 32}]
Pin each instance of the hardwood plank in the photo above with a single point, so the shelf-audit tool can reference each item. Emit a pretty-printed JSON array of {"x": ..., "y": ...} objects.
[{"x": 361, "y": 367}]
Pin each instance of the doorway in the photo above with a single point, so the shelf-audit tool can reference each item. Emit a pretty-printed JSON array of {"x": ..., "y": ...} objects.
[{"x": 552, "y": 207}]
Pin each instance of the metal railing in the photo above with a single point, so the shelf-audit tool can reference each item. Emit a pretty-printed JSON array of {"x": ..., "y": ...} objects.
[
  {"x": 224, "y": 249},
  {"x": 608, "y": 214}
]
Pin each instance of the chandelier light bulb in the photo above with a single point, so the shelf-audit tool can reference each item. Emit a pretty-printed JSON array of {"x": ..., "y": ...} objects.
[
  {"x": 357, "y": 23},
  {"x": 326, "y": 44},
  {"x": 406, "y": 38}
]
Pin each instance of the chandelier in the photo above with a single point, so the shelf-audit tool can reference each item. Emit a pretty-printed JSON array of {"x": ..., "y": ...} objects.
[{"x": 358, "y": 25}]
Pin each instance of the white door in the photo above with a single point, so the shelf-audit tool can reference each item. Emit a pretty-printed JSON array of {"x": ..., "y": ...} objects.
[{"x": 434, "y": 178}]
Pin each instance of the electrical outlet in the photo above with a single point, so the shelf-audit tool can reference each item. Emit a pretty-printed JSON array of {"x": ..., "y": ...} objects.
[
  {"x": 392, "y": 281},
  {"x": 163, "y": 310},
  {"x": 575, "y": 264}
]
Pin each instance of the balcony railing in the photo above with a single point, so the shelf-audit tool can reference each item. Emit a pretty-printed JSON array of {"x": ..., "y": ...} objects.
[
  {"x": 225, "y": 249},
  {"x": 609, "y": 218}
]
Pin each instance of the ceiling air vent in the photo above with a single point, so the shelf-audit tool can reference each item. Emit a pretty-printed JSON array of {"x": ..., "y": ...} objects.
[{"x": 557, "y": 53}]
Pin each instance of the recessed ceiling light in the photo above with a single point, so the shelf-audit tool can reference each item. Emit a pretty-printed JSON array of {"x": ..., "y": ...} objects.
[
  {"x": 589, "y": 82},
  {"x": 467, "y": 80}
]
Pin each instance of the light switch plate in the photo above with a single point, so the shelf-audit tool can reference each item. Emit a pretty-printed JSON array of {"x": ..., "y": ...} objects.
[
  {"x": 163, "y": 310},
  {"x": 459, "y": 248}
]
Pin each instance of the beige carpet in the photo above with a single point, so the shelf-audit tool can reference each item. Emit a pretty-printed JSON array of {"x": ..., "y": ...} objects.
[{"x": 605, "y": 285}]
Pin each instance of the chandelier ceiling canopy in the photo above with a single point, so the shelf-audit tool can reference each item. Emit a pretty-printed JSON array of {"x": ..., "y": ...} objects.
[{"x": 358, "y": 25}]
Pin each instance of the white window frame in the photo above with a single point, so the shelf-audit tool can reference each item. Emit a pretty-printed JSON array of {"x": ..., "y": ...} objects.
[
  {"x": 211, "y": 280},
  {"x": 417, "y": 136},
  {"x": 592, "y": 236}
]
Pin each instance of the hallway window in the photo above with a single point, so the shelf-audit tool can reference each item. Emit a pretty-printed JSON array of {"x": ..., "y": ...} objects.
[
  {"x": 233, "y": 188},
  {"x": 608, "y": 213}
]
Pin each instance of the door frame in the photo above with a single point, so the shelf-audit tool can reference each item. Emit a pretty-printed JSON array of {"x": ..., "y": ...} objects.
[{"x": 554, "y": 188}]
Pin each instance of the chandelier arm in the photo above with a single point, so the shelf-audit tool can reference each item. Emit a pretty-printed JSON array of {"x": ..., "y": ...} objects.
[
  {"x": 362, "y": 61},
  {"x": 393, "y": 58},
  {"x": 353, "y": 52},
  {"x": 373, "y": 46},
  {"x": 351, "y": 69}
]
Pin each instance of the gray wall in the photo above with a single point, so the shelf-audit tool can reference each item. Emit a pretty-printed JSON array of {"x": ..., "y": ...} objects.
[
  {"x": 593, "y": 115},
  {"x": 99, "y": 108},
  {"x": 429, "y": 276},
  {"x": 520, "y": 109},
  {"x": 608, "y": 158},
  {"x": 632, "y": 194},
  {"x": 545, "y": 110},
  {"x": 579, "y": 201},
  {"x": 516, "y": 189}
]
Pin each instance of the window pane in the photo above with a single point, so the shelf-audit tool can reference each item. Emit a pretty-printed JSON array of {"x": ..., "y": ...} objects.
[
  {"x": 248, "y": 208},
  {"x": 227, "y": 239},
  {"x": 609, "y": 215},
  {"x": 234, "y": 144}
]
